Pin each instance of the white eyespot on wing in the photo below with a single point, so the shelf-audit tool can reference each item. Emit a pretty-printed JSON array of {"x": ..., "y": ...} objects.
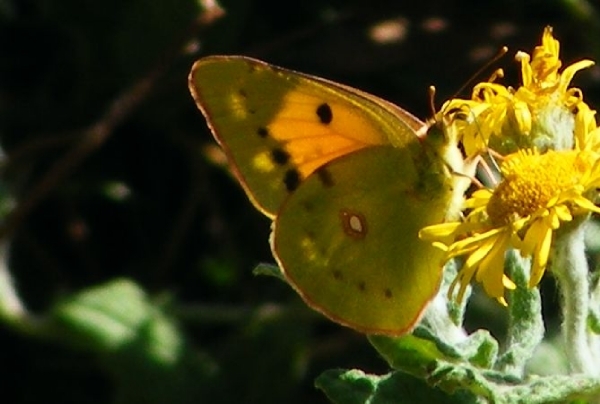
[{"x": 353, "y": 223}]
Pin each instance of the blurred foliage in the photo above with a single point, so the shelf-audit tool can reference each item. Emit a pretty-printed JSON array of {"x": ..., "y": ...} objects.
[{"x": 114, "y": 206}]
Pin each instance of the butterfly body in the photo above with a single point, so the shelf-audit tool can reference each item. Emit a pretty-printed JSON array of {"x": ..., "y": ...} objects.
[{"x": 348, "y": 179}]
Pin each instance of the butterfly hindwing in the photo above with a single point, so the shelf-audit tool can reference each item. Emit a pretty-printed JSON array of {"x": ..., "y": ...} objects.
[{"x": 347, "y": 240}]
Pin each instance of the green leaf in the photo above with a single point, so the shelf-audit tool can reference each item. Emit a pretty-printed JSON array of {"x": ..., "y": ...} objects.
[
  {"x": 268, "y": 270},
  {"x": 480, "y": 349},
  {"x": 419, "y": 350},
  {"x": 138, "y": 344},
  {"x": 347, "y": 386},
  {"x": 109, "y": 316},
  {"x": 357, "y": 387},
  {"x": 456, "y": 309},
  {"x": 408, "y": 353},
  {"x": 553, "y": 389},
  {"x": 442, "y": 367}
]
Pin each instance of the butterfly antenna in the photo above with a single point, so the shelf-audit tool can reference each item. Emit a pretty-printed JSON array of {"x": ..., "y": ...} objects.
[
  {"x": 431, "y": 91},
  {"x": 497, "y": 74},
  {"x": 480, "y": 71}
]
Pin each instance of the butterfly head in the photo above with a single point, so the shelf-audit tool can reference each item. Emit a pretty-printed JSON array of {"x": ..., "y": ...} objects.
[{"x": 443, "y": 144}]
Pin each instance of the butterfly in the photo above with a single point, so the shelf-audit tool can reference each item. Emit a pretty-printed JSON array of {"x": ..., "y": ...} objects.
[{"x": 348, "y": 179}]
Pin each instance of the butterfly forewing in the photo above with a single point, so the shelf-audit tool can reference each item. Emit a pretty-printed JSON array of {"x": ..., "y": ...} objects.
[{"x": 278, "y": 126}]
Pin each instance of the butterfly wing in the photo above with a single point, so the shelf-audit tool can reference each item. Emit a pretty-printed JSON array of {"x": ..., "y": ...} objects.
[
  {"x": 346, "y": 179},
  {"x": 347, "y": 239},
  {"x": 278, "y": 126}
]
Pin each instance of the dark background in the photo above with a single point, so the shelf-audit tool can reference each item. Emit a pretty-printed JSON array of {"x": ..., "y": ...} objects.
[{"x": 144, "y": 196}]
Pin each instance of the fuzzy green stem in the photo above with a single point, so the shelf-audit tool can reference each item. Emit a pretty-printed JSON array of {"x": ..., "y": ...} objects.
[
  {"x": 444, "y": 317},
  {"x": 439, "y": 321},
  {"x": 526, "y": 325},
  {"x": 570, "y": 268},
  {"x": 594, "y": 314}
]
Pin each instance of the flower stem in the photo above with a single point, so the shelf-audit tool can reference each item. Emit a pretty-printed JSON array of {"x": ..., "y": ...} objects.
[
  {"x": 445, "y": 317},
  {"x": 570, "y": 268},
  {"x": 526, "y": 325}
]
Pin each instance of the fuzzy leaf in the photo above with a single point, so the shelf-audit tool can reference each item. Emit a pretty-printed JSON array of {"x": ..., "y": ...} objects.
[{"x": 357, "y": 387}]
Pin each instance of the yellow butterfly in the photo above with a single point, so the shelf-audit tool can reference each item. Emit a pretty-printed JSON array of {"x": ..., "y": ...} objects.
[{"x": 348, "y": 179}]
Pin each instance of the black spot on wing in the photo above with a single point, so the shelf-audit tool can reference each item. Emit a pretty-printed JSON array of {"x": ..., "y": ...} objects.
[
  {"x": 262, "y": 132},
  {"x": 324, "y": 113},
  {"x": 280, "y": 156},
  {"x": 291, "y": 179},
  {"x": 325, "y": 177},
  {"x": 307, "y": 205}
]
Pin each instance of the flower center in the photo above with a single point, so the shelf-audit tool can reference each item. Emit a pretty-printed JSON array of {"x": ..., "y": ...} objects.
[{"x": 531, "y": 180}]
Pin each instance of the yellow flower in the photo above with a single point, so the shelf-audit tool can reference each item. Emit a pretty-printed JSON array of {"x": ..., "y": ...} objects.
[
  {"x": 587, "y": 135},
  {"x": 540, "y": 113},
  {"x": 537, "y": 193}
]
